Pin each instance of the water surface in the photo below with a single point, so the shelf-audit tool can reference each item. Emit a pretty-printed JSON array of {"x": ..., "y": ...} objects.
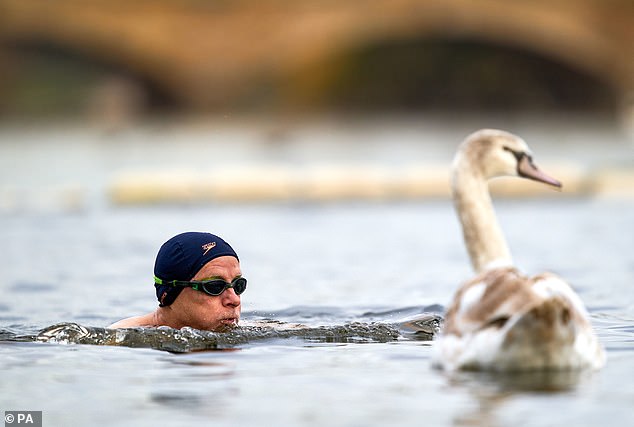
[
  {"x": 325, "y": 338},
  {"x": 345, "y": 274}
]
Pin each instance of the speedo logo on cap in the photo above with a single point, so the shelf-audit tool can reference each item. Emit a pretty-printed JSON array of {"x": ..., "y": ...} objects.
[{"x": 208, "y": 246}]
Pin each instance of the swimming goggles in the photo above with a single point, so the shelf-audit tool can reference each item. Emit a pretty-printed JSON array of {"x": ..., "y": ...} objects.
[{"x": 210, "y": 287}]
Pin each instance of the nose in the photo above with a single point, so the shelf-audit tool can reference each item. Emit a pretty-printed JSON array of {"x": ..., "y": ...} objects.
[{"x": 230, "y": 298}]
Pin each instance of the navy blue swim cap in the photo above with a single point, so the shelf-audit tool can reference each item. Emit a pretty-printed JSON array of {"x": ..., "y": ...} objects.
[{"x": 182, "y": 256}]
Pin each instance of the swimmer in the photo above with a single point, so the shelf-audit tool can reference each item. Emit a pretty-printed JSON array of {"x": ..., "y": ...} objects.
[{"x": 198, "y": 284}]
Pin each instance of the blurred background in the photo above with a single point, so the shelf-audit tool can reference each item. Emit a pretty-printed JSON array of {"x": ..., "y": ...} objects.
[
  {"x": 316, "y": 136},
  {"x": 132, "y": 100},
  {"x": 149, "y": 57}
]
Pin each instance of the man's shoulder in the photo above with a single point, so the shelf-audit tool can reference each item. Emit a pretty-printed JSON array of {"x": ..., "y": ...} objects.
[{"x": 146, "y": 320}]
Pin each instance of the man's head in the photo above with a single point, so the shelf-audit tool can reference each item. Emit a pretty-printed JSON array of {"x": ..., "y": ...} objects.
[{"x": 197, "y": 257}]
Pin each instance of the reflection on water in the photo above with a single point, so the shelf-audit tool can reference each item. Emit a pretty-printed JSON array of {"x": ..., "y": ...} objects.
[
  {"x": 548, "y": 381},
  {"x": 493, "y": 391}
]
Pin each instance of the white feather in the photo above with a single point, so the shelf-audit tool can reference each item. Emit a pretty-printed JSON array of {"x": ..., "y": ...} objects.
[{"x": 522, "y": 323}]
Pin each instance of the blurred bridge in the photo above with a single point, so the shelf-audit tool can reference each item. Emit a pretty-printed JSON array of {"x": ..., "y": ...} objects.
[{"x": 205, "y": 53}]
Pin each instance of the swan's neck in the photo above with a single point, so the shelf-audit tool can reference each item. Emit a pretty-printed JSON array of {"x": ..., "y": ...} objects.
[{"x": 481, "y": 230}]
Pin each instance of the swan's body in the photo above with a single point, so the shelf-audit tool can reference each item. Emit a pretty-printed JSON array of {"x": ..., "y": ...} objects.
[{"x": 502, "y": 320}]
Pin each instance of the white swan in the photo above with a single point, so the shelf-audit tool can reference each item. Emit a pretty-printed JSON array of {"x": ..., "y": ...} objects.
[{"x": 502, "y": 320}]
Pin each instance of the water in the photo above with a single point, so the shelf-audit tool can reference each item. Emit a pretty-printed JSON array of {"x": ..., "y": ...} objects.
[
  {"x": 327, "y": 268},
  {"x": 325, "y": 338}
]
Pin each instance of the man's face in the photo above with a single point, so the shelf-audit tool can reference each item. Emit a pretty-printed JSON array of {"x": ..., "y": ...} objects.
[{"x": 214, "y": 313}]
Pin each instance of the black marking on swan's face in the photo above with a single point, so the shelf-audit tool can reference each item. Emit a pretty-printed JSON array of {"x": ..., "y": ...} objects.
[
  {"x": 497, "y": 322},
  {"x": 527, "y": 169},
  {"x": 519, "y": 155}
]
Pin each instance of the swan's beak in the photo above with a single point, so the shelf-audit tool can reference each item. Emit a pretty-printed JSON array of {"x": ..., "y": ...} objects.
[{"x": 526, "y": 169}]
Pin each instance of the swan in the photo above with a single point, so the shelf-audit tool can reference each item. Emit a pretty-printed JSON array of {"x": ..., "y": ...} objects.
[{"x": 502, "y": 320}]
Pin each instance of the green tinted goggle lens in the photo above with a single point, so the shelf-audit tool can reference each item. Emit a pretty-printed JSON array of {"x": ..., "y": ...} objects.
[
  {"x": 217, "y": 287},
  {"x": 210, "y": 287}
]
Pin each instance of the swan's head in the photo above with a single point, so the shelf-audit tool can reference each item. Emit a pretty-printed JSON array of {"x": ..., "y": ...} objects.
[{"x": 492, "y": 153}]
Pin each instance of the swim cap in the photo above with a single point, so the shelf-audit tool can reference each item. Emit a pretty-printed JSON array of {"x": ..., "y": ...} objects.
[{"x": 181, "y": 257}]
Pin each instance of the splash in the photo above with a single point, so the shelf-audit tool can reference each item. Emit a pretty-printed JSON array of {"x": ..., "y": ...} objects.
[{"x": 188, "y": 339}]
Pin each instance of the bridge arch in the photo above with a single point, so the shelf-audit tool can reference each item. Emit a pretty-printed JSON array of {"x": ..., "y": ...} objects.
[
  {"x": 450, "y": 74},
  {"x": 63, "y": 78},
  {"x": 210, "y": 54}
]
